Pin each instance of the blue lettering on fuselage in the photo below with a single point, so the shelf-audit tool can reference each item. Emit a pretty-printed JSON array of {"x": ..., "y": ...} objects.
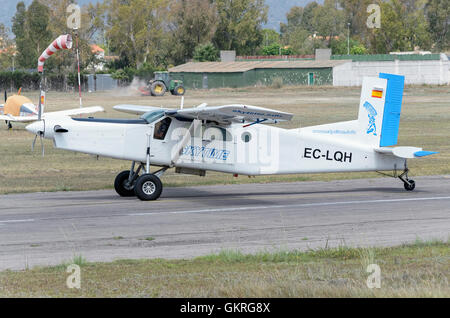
[{"x": 204, "y": 152}]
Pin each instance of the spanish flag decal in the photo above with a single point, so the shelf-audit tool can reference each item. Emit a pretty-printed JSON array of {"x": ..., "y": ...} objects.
[{"x": 377, "y": 92}]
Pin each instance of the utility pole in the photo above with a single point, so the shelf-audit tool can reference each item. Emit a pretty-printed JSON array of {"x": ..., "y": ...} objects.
[{"x": 348, "y": 38}]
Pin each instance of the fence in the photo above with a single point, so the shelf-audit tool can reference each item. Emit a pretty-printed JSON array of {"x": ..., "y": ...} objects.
[{"x": 101, "y": 82}]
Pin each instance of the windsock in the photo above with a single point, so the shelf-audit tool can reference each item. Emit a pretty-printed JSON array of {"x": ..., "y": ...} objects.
[{"x": 63, "y": 42}]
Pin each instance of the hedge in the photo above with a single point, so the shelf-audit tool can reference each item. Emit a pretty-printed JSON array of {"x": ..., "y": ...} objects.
[{"x": 30, "y": 81}]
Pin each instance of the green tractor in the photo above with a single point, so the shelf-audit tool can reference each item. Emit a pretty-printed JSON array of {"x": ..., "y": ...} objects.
[{"x": 161, "y": 84}]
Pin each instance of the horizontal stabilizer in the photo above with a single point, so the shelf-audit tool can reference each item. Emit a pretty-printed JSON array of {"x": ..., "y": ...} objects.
[
  {"x": 405, "y": 152},
  {"x": 424, "y": 153}
]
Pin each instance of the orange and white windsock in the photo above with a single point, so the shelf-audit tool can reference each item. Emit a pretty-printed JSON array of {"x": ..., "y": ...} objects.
[{"x": 63, "y": 42}]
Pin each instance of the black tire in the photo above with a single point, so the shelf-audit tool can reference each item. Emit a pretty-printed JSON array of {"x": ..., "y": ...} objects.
[
  {"x": 148, "y": 187},
  {"x": 158, "y": 88},
  {"x": 121, "y": 187},
  {"x": 179, "y": 90},
  {"x": 410, "y": 185}
]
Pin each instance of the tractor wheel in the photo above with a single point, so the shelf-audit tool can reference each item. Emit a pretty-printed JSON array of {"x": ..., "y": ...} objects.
[
  {"x": 158, "y": 88},
  {"x": 179, "y": 90}
]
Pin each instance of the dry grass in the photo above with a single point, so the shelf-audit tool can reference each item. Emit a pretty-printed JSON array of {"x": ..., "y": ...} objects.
[
  {"x": 418, "y": 270},
  {"x": 425, "y": 123}
]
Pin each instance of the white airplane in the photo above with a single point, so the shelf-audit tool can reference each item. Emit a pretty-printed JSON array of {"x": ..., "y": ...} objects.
[
  {"x": 231, "y": 139},
  {"x": 18, "y": 108}
]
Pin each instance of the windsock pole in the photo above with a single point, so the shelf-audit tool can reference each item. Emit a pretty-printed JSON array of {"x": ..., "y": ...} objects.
[
  {"x": 41, "y": 95},
  {"x": 78, "y": 65}
]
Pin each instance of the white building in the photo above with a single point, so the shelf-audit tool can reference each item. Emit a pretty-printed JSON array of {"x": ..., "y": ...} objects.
[{"x": 417, "y": 69}]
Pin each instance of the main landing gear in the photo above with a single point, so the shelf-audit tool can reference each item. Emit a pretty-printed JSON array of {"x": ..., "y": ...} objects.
[{"x": 147, "y": 186}]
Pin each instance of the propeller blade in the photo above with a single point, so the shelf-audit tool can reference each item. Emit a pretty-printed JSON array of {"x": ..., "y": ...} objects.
[
  {"x": 42, "y": 145},
  {"x": 6, "y": 95},
  {"x": 34, "y": 142}
]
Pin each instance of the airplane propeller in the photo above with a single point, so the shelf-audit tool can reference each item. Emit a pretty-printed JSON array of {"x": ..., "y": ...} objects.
[{"x": 38, "y": 129}]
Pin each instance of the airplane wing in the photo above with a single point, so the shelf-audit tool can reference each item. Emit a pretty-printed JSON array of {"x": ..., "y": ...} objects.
[
  {"x": 75, "y": 111},
  {"x": 231, "y": 113},
  {"x": 136, "y": 109},
  {"x": 21, "y": 119}
]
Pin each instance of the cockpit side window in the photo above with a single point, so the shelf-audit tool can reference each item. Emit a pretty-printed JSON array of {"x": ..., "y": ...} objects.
[{"x": 161, "y": 128}]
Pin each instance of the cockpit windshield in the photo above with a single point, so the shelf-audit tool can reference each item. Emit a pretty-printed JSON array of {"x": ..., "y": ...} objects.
[{"x": 150, "y": 117}]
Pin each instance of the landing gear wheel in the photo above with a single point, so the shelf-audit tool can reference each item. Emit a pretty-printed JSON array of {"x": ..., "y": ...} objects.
[
  {"x": 122, "y": 186},
  {"x": 148, "y": 187},
  {"x": 410, "y": 185}
]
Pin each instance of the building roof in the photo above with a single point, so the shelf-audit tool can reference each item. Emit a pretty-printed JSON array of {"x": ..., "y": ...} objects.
[
  {"x": 96, "y": 49},
  {"x": 237, "y": 67}
]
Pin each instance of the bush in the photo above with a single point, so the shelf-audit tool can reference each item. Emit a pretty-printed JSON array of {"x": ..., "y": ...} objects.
[
  {"x": 277, "y": 82},
  {"x": 31, "y": 81},
  {"x": 276, "y": 49},
  {"x": 206, "y": 53}
]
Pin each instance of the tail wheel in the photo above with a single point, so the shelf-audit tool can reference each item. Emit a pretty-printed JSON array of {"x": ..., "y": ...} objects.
[
  {"x": 410, "y": 185},
  {"x": 158, "y": 88},
  {"x": 148, "y": 187},
  {"x": 122, "y": 186},
  {"x": 179, "y": 91}
]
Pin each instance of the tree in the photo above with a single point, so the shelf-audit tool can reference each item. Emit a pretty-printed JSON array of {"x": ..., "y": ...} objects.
[
  {"x": 36, "y": 26},
  {"x": 239, "y": 25},
  {"x": 437, "y": 14},
  {"x": 339, "y": 47},
  {"x": 193, "y": 23},
  {"x": 7, "y": 49},
  {"x": 206, "y": 53},
  {"x": 135, "y": 30},
  {"x": 328, "y": 21},
  {"x": 270, "y": 37},
  {"x": 313, "y": 26},
  {"x": 403, "y": 28},
  {"x": 24, "y": 56},
  {"x": 276, "y": 49}
]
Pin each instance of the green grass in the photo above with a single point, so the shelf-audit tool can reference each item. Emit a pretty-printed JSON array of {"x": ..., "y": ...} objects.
[
  {"x": 420, "y": 269},
  {"x": 425, "y": 123}
]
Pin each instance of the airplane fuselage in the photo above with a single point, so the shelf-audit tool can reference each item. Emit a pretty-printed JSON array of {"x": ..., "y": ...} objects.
[{"x": 253, "y": 150}]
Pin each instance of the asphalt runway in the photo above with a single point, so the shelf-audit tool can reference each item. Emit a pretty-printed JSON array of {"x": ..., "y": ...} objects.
[{"x": 50, "y": 228}]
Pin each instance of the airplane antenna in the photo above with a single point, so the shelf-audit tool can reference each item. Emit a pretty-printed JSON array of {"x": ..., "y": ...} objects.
[
  {"x": 78, "y": 65},
  {"x": 182, "y": 102},
  {"x": 6, "y": 95}
]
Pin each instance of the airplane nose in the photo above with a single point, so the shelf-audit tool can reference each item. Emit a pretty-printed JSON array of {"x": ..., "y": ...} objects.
[{"x": 36, "y": 127}]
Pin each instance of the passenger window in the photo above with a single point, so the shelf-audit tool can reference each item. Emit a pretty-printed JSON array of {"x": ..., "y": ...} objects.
[{"x": 161, "y": 128}]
